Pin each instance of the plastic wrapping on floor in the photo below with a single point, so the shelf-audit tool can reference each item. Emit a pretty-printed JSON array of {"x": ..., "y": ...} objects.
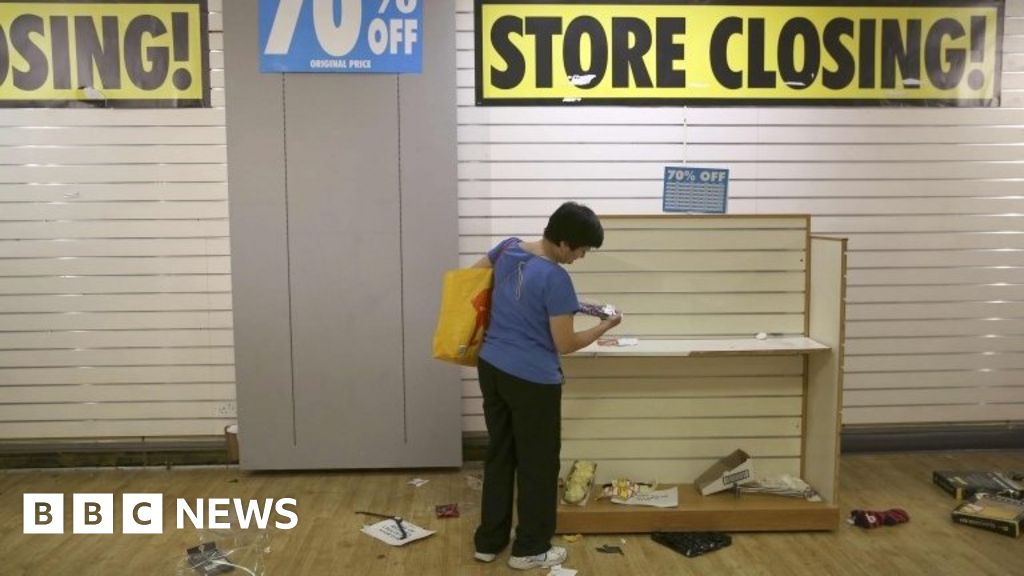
[
  {"x": 784, "y": 485},
  {"x": 228, "y": 551},
  {"x": 475, "y": 482}
]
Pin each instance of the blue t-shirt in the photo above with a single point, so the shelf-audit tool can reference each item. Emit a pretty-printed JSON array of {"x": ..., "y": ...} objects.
[{"x": 528, "y": 290}]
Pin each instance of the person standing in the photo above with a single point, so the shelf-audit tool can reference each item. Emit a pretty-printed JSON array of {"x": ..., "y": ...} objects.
[{"x": 531, "y": 325}]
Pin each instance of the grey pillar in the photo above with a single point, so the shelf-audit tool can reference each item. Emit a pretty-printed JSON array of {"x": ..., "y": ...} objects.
[{"x": 343, "y": 218}]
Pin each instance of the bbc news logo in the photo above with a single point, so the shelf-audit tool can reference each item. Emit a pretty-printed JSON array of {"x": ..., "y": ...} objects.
[{"x": 144, "y": 513}]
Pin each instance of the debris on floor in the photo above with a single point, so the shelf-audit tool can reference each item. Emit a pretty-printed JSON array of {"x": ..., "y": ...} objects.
[
  {"x": 396, "y": 532},
  {"x": 876, "y": 518},
  {"x": 692, "y": 544},
  {"x": 994, "y": 513},
  {"x": 609, "y": 549},
  {"x": 447, "y": 511}
]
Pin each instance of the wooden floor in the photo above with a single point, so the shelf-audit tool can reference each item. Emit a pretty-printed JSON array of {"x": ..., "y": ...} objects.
[{"x": 327, "y": 540}]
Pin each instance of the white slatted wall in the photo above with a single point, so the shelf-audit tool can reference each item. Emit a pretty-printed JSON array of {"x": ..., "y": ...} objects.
[
  {"x": 115, "y": 288},
  {"x": 930, "y": 199}
]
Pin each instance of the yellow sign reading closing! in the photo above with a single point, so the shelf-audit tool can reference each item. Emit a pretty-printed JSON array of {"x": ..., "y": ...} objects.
[
  {"x": 677, "y": 52},
  {"x": 145, "y": 54}
]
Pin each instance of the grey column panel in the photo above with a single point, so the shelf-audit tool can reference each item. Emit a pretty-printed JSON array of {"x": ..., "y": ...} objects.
[
  {"x": 429, "y": 210},
  {"x": 344, "y": 217},
  {"x": 259, "y": 248},
  {"x": 345, "y": 266}
]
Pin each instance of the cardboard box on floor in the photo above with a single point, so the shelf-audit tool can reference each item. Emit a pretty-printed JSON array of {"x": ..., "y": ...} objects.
[
  {"x": 994, "y": 513},
  {"x": 736, "y": 468},
  {"x": 965, "y": 484}
]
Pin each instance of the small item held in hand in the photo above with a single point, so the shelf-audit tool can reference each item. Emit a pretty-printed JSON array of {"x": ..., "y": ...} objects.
[
  {"x": 692, "y": 544},
  {"x": 447, "y": 511},
  {"x": 602, "y": 311}
]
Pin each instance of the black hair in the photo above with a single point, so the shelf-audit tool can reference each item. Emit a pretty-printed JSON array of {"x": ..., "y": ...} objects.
[{"x": 576, "y": 225}]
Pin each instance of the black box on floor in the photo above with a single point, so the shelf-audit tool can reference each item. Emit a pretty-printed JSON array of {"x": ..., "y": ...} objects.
[
  {"x": 692, "y": 544},
  {"x": 965, "y": 484},
  {"x": 994, "y": 513}
]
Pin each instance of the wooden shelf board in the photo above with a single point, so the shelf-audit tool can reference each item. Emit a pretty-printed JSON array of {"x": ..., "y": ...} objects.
[
  {"x": 710, "y": 347},
  {"x": 718, "y": 512}
]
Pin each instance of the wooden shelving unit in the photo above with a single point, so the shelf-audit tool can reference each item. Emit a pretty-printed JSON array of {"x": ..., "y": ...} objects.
[
  {"x": 698, "y": 384},
  {"x": 719, "y": 512},
  {"x": 711, "y": 347}
]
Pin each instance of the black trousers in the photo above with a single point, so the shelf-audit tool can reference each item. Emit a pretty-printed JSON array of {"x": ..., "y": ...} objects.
[{"x": 524, "y": 424}]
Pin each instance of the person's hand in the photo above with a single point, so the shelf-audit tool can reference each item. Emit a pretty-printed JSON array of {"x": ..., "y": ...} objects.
[{"x": 611, "y": 322}]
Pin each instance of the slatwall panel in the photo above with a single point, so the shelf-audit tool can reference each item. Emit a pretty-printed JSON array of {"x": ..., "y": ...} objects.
[
  {"x": 929, "y": 199},
  {"x": 115, "y": 286},
  {"x": 670, "y": 418},
  {"x": 651, "y": 265}
]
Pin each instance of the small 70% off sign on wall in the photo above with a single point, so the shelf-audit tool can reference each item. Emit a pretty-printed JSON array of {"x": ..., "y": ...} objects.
[{"x": 689, "y": 189}]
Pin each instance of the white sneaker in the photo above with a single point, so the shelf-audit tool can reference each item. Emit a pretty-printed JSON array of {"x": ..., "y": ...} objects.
[
  {"x": 484, "y": 556},
  {"x": 554, "y": 556}
]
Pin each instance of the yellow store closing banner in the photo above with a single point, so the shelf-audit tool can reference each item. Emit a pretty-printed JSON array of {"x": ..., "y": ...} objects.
[
  {"x": 673, "y": 52},
  {"x": 117, "y": 54}
]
